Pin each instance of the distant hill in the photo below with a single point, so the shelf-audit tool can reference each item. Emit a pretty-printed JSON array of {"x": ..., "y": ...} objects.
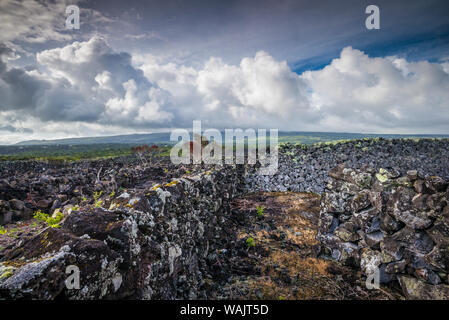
[{"x": 164, "y": 137}]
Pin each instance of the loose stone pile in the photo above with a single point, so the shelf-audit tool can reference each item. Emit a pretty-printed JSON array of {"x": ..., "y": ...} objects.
[
  {"x": 29, "y": 186},
  {"x": 305, "y": 168},
  {"x": 396, "y": 224}
]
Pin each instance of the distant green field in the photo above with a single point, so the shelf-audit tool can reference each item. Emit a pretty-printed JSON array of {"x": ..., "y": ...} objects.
[
  {"x": 97, "y": 148},
  {"x": 67, "y": 152}
]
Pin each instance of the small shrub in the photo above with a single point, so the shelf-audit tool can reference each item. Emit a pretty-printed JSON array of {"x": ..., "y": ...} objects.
[
  {"x": 146, "y": 153},
  {"x": 49, "y": 220},
  {"x": 250, "y": 243},
  {"x": 3, "y": 230},
  {"x": 260, "y": 212},
  {"x": 97, "y": 202}
]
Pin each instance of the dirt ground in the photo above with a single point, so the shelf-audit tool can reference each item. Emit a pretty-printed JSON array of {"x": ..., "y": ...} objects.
[{"x": 281, "y": 261}]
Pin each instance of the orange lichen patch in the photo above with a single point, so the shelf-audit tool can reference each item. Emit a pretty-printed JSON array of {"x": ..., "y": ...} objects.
[
  {"x": 113, "y": 225},
  {"x": 172, "y": 183},
  {"x": 114, "y": 205},
  {"x": 15, "y": 263}
]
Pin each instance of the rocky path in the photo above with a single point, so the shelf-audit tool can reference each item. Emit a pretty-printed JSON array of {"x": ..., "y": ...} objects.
[{"x": 271, "y": 253}]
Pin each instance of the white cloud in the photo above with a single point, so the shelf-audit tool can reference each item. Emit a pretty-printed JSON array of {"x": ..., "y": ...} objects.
[
  {"x": 359, "y": 93},
  {"x": 353, "y": 93},
  {"x": 117, "y": 92},
  {"x": 261, "y": 84},
  {"x": 89, "y": 84},
  {"x": 143, "y": 108}
]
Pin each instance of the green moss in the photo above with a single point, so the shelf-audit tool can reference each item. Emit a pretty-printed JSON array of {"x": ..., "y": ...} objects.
[
  {"x": 382, "y": 176},
  {"x": 364, "y": 181},
  {"x": 5, "y": 271}
]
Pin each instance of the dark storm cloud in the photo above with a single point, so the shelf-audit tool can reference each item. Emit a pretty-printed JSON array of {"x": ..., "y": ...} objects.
[
  {"x": 86, "y": 82},
  {"x": 17, "y": 89},
  {"x": 288, "y": 29}
]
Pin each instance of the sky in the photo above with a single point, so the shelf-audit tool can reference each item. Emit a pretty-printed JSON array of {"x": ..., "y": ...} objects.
[{"x": 149, "y": 66}]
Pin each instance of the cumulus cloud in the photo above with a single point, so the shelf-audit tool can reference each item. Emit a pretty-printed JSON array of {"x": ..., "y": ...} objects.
[
  {"x": 89, "y": 84},
  {"x": 354, "y": 92},
  {"x": 359, "y": 93},
  {"x": 258, "y": 89}
]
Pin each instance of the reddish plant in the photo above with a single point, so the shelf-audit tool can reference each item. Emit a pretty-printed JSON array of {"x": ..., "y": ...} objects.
[{"x": 145, "y": 153}]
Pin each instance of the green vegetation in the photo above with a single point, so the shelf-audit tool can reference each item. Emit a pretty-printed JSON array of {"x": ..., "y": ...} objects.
[
  {"x": 49, "y": 220},
  {"x": 110, "y": 147},
  {"x": 250, "y": 243},
  {"x": 97, "y": 202},
  {"x": 12, "y": 232},
  {"x": 6, "y": 273},
  {"x": 70, "y": 152},
  {"x": 3, "y": 230},
  {"x": 260, "y": 212}
]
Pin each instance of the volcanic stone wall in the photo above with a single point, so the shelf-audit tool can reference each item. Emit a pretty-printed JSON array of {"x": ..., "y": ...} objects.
[
  {"x": 149, "y": 244},
  {"x": 396, "y": 224},
  {"x": 305, "y": 168},
  {"x": 28, "y": 186}
]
